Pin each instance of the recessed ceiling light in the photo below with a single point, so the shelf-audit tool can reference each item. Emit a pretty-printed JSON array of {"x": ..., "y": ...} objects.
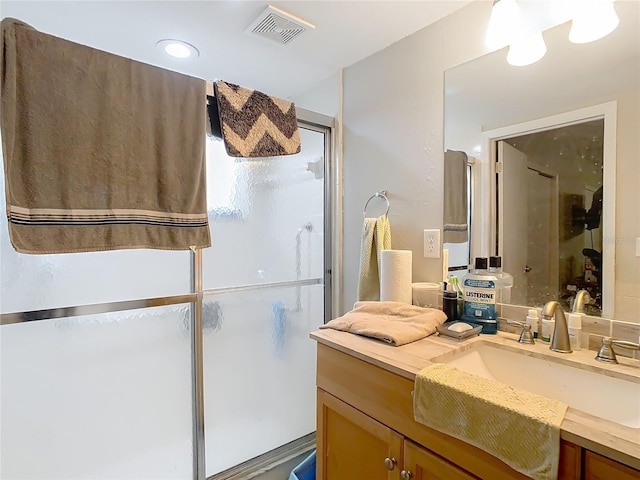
[{"x": 178, "y": 48}]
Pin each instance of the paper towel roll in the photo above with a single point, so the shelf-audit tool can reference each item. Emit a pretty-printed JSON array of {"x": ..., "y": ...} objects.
[
  {"x": 426, "y": 294},
  {"x": 395, "y": 276}
]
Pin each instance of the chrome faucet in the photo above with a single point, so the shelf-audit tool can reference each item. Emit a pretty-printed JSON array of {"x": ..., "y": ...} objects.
[
  {"x": 581, "y": 298},
  {"x": 560, "y": 340}
]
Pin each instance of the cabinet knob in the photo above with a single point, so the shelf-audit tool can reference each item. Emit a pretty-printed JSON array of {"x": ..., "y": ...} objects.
[
  {"x": 390, "y": 463},
  {"x": 406, "y": 475}
]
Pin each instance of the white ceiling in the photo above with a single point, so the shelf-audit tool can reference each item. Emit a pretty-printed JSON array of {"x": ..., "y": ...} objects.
[{"x": 346, "y": 32}]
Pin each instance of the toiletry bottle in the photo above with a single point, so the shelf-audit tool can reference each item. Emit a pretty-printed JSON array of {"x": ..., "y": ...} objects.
[
  {"x": 480, "y": 297},
  {"x": 450, "y": 305},
  {"x": 506, "y": 279},
  {"x": 547, "y": 329},
  {"x": 456, "y": 286},
  {"x": 532, "y": 319},
  {"x": 575, "y": 330}
]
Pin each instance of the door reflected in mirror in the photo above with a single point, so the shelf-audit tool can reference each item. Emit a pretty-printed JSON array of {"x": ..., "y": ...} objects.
[{"x": 552, "y": 196}]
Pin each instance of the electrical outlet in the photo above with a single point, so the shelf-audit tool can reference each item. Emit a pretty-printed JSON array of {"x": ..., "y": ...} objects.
[{"x": 432, "y": 243}]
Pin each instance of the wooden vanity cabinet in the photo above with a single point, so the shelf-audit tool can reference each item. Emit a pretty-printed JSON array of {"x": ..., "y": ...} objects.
[
  {"x": 597, "y": 467},
  {"x": 366, "y": 431},
  {"x": 352, "y": 445},
  {"x": 421, "y": 464}
]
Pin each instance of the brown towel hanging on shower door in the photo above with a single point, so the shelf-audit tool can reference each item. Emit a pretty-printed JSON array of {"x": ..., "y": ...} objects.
[{"x": 100, "y": 152}]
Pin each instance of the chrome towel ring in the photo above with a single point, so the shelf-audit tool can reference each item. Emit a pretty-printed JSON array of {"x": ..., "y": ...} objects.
[{"x": 381, "y": 194}]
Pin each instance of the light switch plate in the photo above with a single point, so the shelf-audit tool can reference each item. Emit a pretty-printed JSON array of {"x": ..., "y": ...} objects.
[
  {"x": 432, "y": 243},
  {"x": 638, "y": 247}
]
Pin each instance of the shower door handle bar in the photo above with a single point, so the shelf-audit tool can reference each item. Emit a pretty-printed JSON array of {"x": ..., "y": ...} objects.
[
  {"x": 264, "y": 286},
  {"x": 81, "y": 310},
  {"x": 110, "y": 307}
]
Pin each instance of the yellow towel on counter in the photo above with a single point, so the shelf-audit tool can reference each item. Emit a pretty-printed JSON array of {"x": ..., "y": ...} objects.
[
  {"x": 520, "y": 428},
  {"x": 376, "y": 236},
  {"x": 395, "y": 323}
]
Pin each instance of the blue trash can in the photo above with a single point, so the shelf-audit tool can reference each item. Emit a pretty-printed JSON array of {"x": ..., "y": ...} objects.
[{"x": 306, "y": 470}]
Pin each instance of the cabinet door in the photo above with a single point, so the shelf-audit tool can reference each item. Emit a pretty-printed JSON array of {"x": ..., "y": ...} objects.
[
  {"x": 570, "y": 464},
  {"x": 597, "y": 467},
  {"x": 421, "y": 464},
  {"x": 352, "y": 445}
]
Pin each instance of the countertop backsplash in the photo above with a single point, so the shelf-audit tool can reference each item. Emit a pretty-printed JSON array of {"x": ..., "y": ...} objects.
[{"x": 593, "y": 329}]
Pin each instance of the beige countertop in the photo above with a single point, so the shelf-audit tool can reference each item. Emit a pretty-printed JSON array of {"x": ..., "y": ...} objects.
[{"x": 611, "y": 439}]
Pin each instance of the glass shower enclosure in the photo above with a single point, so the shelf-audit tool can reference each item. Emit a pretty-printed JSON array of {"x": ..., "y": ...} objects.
[{"x": 173, "y": 365}]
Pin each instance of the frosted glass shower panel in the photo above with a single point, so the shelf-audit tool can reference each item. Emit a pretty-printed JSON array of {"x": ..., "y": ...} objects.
[
  {"x": 38, "y": 282},
  {"x": 97, "y": 397},
  {"x": 266, "y": 216},
  {"x": 259, "y": 369}
]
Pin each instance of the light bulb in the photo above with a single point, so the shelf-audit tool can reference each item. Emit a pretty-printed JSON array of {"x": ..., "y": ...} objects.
[
  {"x": 594, "y": 19},
  {"x": 527, "y": 50},
  {"x": 505, "y": 24},
  {"x": 178, "y": 48}
]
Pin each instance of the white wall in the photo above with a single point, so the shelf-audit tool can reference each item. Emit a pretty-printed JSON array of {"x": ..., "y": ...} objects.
[
  {"x": 321, "y": 98},
  {"x": 627, "y": 272},
  {"x": 393, "y": 135}
]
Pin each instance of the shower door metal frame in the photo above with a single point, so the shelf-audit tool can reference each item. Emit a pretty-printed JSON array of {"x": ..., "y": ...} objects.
[
  {"x": 326, "y": 125},
  {"x": 308, "y": 120}
]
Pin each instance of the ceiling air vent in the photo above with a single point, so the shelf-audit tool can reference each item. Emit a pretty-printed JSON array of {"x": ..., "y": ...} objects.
[{"x": 278, "y": 26}]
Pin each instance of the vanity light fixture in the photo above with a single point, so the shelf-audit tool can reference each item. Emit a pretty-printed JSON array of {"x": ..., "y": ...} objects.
[
  {"x": 527, "y": 50},
  {"x": 508, "y": 27},
  {"x": 594, "y": 20},
  {"x": 520, "y": 25},
  {"x": 178, "y": 48},
  {"x": 504, "y": 24}
]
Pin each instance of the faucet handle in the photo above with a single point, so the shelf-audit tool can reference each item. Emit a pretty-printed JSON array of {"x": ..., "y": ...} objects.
[
  {"x": 623, "y": 343},
  {"x": 606, "y": 353},
  {"x": 525, "y": 335}
]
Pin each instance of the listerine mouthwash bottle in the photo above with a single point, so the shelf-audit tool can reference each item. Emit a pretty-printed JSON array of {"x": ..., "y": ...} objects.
[
  {"x": 505, "y": 280},
  {"x": 480, "y": 289}
]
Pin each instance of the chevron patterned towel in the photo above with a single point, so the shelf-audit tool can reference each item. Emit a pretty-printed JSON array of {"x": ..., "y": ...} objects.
[
  {"x": 520, "y": 428},
  {"x": 255, "y": 124}
]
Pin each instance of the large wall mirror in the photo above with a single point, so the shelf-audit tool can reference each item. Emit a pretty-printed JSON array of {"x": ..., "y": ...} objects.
[{"x": 556, "y": 161}]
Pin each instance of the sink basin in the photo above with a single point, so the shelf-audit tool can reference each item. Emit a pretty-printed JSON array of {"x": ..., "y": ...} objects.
[{"x": 612, "y": 398}]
